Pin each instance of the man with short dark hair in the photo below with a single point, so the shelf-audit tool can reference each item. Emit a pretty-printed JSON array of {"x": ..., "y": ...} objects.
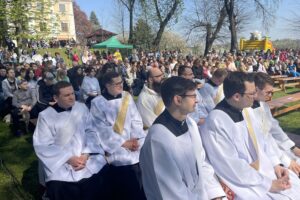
[
  {"x": 149, "y": 102},
  {"x": 237, "y": 150},
  {"x": 212, "y": 91},
  {"x": 187, "y": 73},
  {"x": 288, "y": 153},
  {"x": 172, "y": 159},
  {"x": 66, "y": 144},
  {"x": 120, "y": 131}
]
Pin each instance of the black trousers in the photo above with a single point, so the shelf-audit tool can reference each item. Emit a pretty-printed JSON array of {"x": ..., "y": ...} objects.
[
  {"x": 95, "y": 187},
  {"x": 126, "y": 183},
  {"x": 6, "y": 107},
  {"x": 15, "y": 119}
]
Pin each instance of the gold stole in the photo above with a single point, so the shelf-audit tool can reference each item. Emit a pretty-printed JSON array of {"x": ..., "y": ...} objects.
[
  {"x": 159, "y": 107},
  {"x": 219, "y": 94},
  {"x": 255, "y": 164},
  {"x": 120, "y": 120},
  {"x": 263, "y": 122}
]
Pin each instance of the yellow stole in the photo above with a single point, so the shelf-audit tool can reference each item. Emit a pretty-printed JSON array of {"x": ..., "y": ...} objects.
[
  {"x": 120, "y": 120},
  {"x": 159, "y": 107},
  {"x": 255, "y": 164},
  {"x": 219, "y": 94}
]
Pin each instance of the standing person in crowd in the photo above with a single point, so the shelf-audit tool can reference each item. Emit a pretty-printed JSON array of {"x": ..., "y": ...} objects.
[
  {"x": 270, "y": 126},
  {"x": 118, "y": 55},
  {"x": 172, "y": 159},
  {"x": 90, "y": 86},
  {"x": 66, "y": 144},
  {"x": 23, "y": 101},
  {"x": 120, "y": 131},
  {"x": 75, "y": 57},
  {"x": 9, "y": 86},
  {"x": 149, "y": 102},
  {"x": 58, "y": 58},
  {"x": 235, "y": 147}
]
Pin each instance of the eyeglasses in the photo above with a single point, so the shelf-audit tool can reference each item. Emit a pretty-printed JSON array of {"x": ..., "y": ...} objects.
[
  {"x": 249, "y": 93},
  {"x": 269, "y": 92},
  {"x": 190, "y": 74},
  {"x": 194, "y": 96},
  {"x": 117, "y": 84}
]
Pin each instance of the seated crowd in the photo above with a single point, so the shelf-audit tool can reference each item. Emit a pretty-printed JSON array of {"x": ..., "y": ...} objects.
[{"x": 198, "y": 129}]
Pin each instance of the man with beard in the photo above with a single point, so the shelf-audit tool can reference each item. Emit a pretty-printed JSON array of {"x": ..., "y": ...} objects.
[{"x": 150, "y": 103}]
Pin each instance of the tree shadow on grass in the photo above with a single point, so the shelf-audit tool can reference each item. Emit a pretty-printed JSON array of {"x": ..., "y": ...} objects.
[{"x": 30, "y": 181}]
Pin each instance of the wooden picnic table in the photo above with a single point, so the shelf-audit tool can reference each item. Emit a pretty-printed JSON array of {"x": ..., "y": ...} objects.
[
  {"x": 277, "y": 104},
  {"x": 278, "y": 76},
  {"x": 286, "y": 81}
]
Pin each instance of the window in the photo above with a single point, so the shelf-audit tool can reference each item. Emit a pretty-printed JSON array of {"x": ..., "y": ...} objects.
[
  {"x": 62, "y": 8},
  {"x": 64, "y": 27}
]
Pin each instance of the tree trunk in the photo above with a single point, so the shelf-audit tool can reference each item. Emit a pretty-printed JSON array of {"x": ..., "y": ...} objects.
[
  {"x": 130, "y": 26},
  {"x": 208, "y": 39},
  {"x": 233, "y": 32},
  {"x": 229, "y": 4},
  {"x": 163, "y": 23},
  {"x": 212, "y": 35}
]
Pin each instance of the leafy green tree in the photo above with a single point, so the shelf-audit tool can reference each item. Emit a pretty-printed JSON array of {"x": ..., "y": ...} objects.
[
  {"x": 142, "y": 35},
  {"x": 27, "y": 19},
  {"x": 94, "y": 21}
]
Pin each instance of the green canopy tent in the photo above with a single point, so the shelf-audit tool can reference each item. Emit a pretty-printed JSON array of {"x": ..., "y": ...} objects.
[{"x": 111, "y": 43}]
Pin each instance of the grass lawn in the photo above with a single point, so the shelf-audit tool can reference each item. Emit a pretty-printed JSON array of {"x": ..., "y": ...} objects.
[{"x": 21, "y": 162}]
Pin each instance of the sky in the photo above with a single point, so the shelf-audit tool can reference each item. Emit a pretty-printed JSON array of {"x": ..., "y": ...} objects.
[{"x": 106, "y": 13}]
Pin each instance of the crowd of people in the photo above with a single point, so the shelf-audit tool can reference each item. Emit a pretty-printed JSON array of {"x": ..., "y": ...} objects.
[{"x": 198, "y": 128}]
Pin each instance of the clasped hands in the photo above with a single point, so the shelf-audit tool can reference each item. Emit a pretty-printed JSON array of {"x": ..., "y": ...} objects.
[
  {"x": 282, "y": 182},
  {"x": 78, "y": 162},
  {"x": 131, "y": 144}
]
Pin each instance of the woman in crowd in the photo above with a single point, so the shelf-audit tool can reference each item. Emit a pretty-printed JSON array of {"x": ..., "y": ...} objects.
[{"x": 90, "y": 86}]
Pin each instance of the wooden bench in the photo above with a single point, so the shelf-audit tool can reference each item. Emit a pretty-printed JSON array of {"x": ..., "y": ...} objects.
[
  {"x": 279, "y": 106},
  {"x": 288, "y": 81},
  {"x": 276, "y": 82}
]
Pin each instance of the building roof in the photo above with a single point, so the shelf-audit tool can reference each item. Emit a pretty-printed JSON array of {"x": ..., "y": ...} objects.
[{"x": 101, "y": 33}]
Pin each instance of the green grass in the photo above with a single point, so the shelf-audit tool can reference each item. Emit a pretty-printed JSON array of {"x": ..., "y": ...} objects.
[
  {"x": 19, "y": 157},
  {"x": 62, "y": 52},
  {"x": 290, "y": 121}
]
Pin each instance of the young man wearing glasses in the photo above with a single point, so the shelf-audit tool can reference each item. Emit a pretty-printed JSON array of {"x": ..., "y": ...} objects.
[
  {"x": 288, "y": 152},
  {"x": 237, "y": 150},
  {"x": 120, "y": 132},
  {"x": 172, "y": 159}
]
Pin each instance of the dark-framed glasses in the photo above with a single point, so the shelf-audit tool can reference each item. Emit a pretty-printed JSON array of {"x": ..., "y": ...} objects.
[
  {"x": 117, "y": 84},
  {"x": 194, "y": 96}
]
